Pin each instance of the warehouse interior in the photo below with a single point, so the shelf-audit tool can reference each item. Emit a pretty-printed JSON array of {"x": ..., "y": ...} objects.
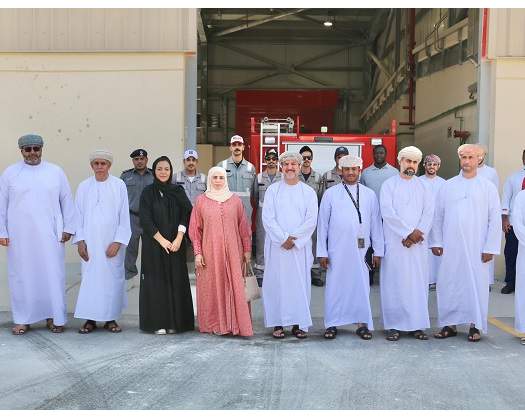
[{"x": 416, "y": 67}]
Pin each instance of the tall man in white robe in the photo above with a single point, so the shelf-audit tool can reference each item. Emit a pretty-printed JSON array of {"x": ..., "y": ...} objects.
[
  {"x": 102, "y": 236},
  {"x": 349, "y": 224},
  {"x": 407, "y": 208},
  {"x": 289, "y": 219},
  {"x": 490, "y": 174},
  {"x": 431, "y": 164},
  {"x": 466, "y": 234},
  {"x": 37, "y": 216},
  {"x": 518, "y": 225}
]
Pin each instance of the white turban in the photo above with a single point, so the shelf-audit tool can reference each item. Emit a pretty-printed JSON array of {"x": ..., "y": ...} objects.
[
  {"x": 287, "y": 155},
  {"x": 350, "y": 161},
  {"x": 411, "y": 152},
  {"x": 101, "y": 154},
  {"x": 465, "y": 147}
]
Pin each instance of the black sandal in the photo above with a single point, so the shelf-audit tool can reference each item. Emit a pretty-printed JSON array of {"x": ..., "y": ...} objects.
[
  {"x": 87, "y": 327},
  {"x": 393, "y": 335},
  {"x": 471, "y": 332},
  {"x": 330, "y": 332},
  {"x": 278, "y": 332},
  {"x": 298, "y": 333},
  {"x": 446, "y": 332},
  {"x": 364, "y": 333},
  {"x": 112, "y": 326},
  {"x": 418, "y": 334}
]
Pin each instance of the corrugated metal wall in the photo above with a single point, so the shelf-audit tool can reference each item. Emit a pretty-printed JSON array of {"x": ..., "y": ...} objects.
[
  {"x": 87, "y": 30},
  {"x": 506, "y": 33}
]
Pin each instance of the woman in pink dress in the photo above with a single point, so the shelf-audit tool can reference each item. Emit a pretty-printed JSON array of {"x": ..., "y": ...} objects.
[{"x": 221, "y": 238}]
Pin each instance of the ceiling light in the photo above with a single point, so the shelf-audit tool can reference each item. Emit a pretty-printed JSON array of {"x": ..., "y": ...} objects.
[{"x": 327, "y": 23}]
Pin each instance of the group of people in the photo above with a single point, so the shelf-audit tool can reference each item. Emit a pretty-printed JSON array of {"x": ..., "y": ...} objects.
[{"x": 347, "y": 222}]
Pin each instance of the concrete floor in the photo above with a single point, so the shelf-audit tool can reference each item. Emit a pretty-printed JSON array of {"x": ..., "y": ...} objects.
[{"x": 135, "y": 370}]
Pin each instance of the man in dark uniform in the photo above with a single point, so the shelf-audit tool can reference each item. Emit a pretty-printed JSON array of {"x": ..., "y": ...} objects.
[{"x": 136, "y": 180}]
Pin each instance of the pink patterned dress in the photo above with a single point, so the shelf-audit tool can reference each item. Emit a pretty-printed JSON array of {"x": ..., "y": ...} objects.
[{"x": 221, "y": 234}]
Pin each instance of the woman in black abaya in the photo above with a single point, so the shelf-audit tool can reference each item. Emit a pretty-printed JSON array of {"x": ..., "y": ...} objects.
[{"x": 165, "y": 304}]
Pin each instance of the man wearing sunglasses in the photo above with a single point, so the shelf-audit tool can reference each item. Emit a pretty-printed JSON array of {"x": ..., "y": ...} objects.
[
  {"x": 312, "y": 179},
  {"x": 37, "y": 216},
  {"x": 261, "y": 183}
]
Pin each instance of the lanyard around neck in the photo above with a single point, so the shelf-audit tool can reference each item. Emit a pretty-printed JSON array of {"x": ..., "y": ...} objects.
[{"x": 355, "y": 202}]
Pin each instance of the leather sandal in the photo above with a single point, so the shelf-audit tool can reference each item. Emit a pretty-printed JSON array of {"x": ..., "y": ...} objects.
[
  {"x": 278, "y": 332},
  {"x": 364, "y": 333},
  {"x": 446, "y": 332},
  {"x": 299, "y": 333},
  {"x": 20, "y": 329},
  {"x": 87, "y": 327},
  {"x": 112, "y": 326},
  {"x": 330, "y": 332}
]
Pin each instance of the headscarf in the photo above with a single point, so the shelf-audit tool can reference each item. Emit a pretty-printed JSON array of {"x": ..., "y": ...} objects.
[
  {"x": 411, "y": 152},
  {"x": 219, "y": 195},
  {"x": 350, "y": 161},
  {"x": 163, "y": 188},
  {"x": 432, "y": 158},
  {"x": 101, "y": 154},
  {"x": 171, "y": 196},
  {"x": 290, "y": 155}
]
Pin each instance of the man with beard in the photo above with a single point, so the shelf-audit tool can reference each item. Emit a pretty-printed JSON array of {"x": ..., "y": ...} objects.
[
  {"x": 374, "y": 176},
  {"x": 103, "y": 233},
  {"x": 136, "y": 180},
  {"x": 261, "y": 183},
  {"x": 289, "y": 218},
  {"x": 466, "y": 234},
  {"x": 37, "y": 218},
  {"x": 349, "y": 223},
  {"x": 240, "y": 174},
  {"x": 313, "y": 179},
  {"x": 407, "y": 207},
  {"x": 431, "y": 164},
  {"x": 193, "y": 182}
]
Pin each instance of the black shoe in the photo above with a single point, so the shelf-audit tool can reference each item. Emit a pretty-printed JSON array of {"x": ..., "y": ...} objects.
[
  {"x": 507, "y": 289},
  {"x": 317, "y": 282}
]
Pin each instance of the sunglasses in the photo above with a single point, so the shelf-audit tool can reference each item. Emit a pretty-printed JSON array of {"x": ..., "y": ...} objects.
[
  {"x": 307, "y": 157},
  {"x": 35, "y": 148},
  {"x": 270, "y": 158}
]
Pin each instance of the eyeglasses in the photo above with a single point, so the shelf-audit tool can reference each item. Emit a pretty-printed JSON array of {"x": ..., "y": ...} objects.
[
  {"x": 270, "y": 158},
  {"x": 307, "y": 157},
  {"x": 35, "y": 148}
]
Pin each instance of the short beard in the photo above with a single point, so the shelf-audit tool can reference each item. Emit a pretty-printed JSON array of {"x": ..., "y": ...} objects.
[{"x": 409, "y": 172}]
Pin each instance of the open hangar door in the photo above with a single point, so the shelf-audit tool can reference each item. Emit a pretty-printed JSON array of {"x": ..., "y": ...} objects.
[{"x": 417, "y": 67}]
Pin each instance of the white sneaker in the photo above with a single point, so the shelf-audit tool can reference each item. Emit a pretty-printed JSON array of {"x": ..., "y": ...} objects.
[{"x": 160, "y": 332}]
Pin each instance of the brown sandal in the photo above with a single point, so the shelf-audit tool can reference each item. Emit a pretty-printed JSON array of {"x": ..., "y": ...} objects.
[
  {"x": 53, "y": 328},
  {"x": 88, "y": 327},
  {"x": 20, "y": 329},
  {"x": 112, "y": 326},
  {"x": 278, "y": 332},
  {"x": 299, "y": 333}
]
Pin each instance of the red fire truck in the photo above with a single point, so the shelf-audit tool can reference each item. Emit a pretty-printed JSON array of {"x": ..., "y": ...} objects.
[{"x": 284, "y": 135}]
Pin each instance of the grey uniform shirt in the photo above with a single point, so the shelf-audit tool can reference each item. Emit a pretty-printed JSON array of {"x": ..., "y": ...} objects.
[
  {"x": 193, "y": 188},
  {"x": 240, "y": 181},
  {"x": 373, "y": 177},
  {"x": 260, "y": 184},
  {"x": 135, "y": 184},
  {"x": 314, "y": 181},
  {"x": 329, "y": 179}
]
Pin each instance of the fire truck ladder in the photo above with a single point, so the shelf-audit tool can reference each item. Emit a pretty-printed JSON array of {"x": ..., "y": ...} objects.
[{"x": 271, "y": 131}]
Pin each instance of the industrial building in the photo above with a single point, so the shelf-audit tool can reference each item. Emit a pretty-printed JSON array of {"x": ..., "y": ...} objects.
[{"x": 168, "y": 79}]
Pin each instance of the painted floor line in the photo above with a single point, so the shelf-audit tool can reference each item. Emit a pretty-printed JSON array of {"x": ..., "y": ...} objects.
[{"x": 506, "y": 328}]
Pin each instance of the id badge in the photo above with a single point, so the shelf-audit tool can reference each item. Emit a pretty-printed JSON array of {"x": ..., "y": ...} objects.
[{"x": 360, "y": 242}]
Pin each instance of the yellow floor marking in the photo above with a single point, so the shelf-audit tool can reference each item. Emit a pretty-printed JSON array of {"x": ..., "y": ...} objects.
[{"x": 506, "y": 328}]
